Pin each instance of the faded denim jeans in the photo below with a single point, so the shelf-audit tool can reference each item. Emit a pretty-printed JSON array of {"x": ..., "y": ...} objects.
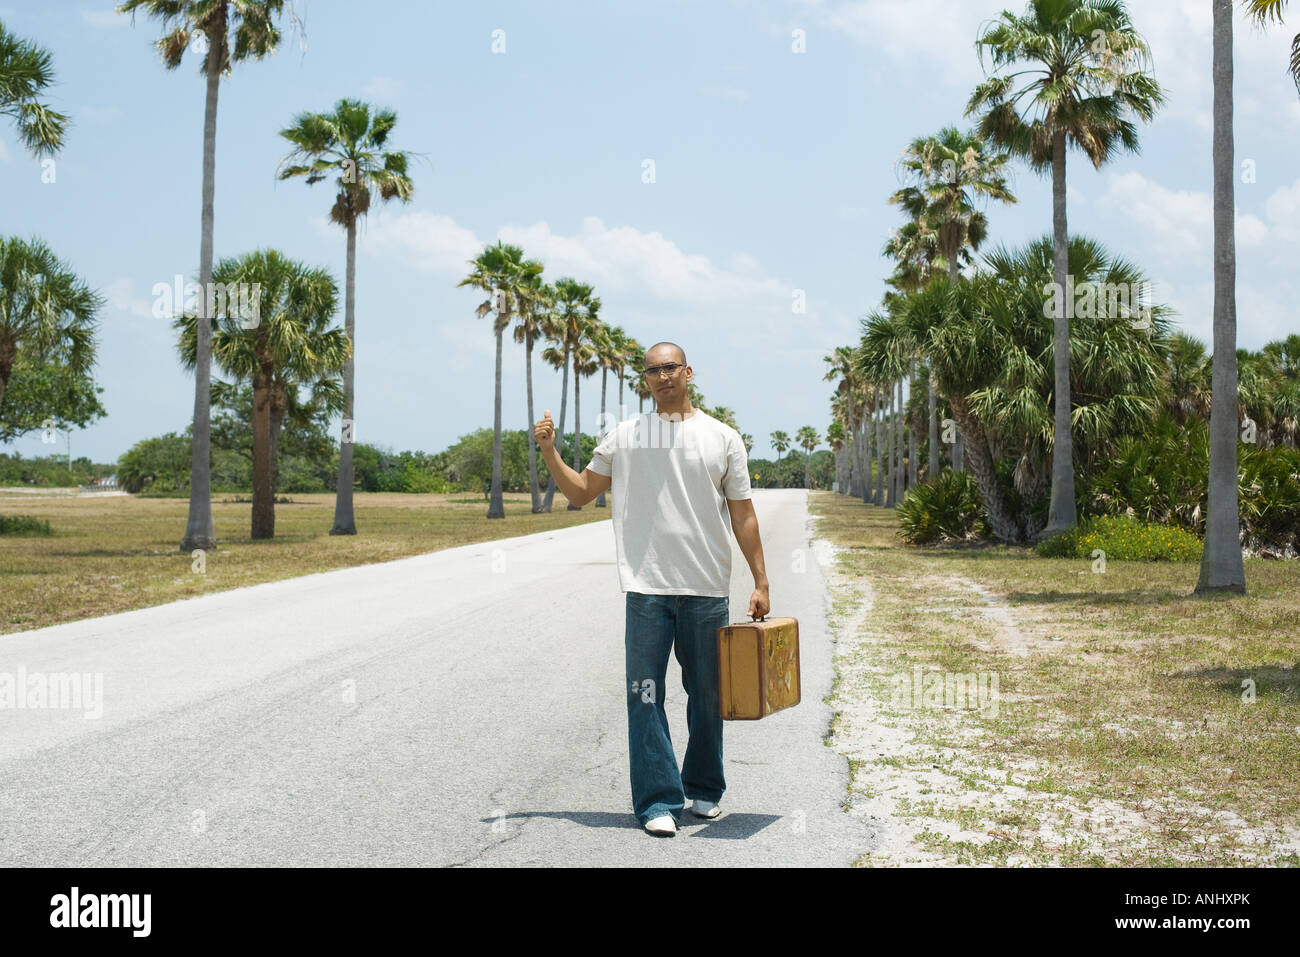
[{"x": 689, "y": 624}]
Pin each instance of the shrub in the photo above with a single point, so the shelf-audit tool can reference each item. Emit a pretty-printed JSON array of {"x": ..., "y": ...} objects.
[
  {"x": 1123, "y": 538},
  {"x": 946, "y": 509},
  {"x": 24, "y": 525},
  {"x": 1269, "y": 497}
]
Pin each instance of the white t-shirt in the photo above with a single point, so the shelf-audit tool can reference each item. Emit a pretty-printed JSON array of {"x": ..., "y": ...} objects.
[{"x": 671, "y": 481}]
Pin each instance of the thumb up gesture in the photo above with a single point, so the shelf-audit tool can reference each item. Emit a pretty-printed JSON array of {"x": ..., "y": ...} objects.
[{"x": 544, "y": 432}]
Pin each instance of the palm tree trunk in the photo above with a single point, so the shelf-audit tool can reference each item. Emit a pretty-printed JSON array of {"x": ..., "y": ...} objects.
[
  {"x": 879, "y": 497},
  {"x": 778, "y": 469},
  {"x": 344, "y": 522},
  {"x": 263, "y": 519},
  {"x": 198, "y": 529},
  {"x": 532, "y": 441},
  {"x": 913, "y": 467},
  {"x": 868, "y": 452},
  {"x": 604, "y": 377},
  {"x": 1061, "y": 514},
  {"x": 277, "y": 424},
  {"x": 958, "y": 446},
  {"x": 559, "y": 434},
  {"x": 1001, "y": 520},
  {"x": 496, "y": 505},
  {"x": 1222, "y": 568},
  {"x": 857, "y": 479},
  {"x": 899, "y": 449},
  {"x": 934, "y": 464},
  {"x": 577, "y": 426},
  {"x": 890, "y": 499}
]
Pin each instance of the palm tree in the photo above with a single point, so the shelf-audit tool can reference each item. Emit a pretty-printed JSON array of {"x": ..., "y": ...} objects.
[
  {"x": 1188, "y": 378},
  {"x": 25, "y": 72},
  {"x": 585, "y": 363},
  {"x": 232, "y": 31},
  {"x": 1222, "y": 568},
  {"x": 501, "y": 272},
  {"x": 291, "y": 344},
  {"x": 947, "y": 174},
  {"x": 862, "y": 408},
  {"x": 1087, "y": 70},
  {"x": 884, "y": 356},
  {"x": 536, "y": 298},
  {"x": 1265, "y": 10},
  {"x": 1284, "y": 361},
  {"x": 991, "y": 347},
  {"x": 808, "y": 440},
  {"x": 572, "y": 301},
  {"x": 610, "y": 356},
  {"x": 835, "y": 437},
  {"x": 636, "y": 365},
  {"x": 45, "y": 309},
  {"x": 349, "y": 141},
  {"x": 724, "y": 414},
  {"x": 630, "y": 350},
  {"x": 847, "y": 391},
  {"x": 780, "y": 442}
]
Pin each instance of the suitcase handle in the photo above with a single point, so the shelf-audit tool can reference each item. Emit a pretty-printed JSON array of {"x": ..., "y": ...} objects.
[{"x": 758, "y": 618}]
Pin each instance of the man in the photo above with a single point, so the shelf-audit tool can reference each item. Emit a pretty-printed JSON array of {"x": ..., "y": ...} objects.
[{"x": 671, "y": 471}]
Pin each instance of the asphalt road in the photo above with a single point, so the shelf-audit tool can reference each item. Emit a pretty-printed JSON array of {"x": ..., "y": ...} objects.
[{"x": 464, "y": 707}]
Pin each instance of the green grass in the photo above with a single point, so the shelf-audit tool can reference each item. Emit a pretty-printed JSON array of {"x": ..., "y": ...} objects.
[{"x": 116, "y": 553}]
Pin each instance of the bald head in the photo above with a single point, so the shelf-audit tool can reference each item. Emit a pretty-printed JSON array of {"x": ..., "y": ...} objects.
[{"x": 665, "y": 352}]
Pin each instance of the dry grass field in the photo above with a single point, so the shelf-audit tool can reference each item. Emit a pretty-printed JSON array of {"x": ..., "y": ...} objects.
[
  {"x": 1134, "y": 724},
  {"x": 114, "y": 553}
]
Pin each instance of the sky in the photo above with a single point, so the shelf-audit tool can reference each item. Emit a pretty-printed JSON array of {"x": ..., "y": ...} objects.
[{"x": 534, "y": 124}]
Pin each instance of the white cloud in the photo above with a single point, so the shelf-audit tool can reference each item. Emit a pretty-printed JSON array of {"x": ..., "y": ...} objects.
[
  {"x": 935, "y": 39},
  {"x": 624, "y": 259},
  {"x": 614, "y": 259},
  {"x": 384, "y": 88},
  {"x": 119, "y": 296},
  {"x": 103, "y": 19},
  {"x": 911, "y": 31},
  {"x": 1179, "y": 33},
  {"x": 1283, "y": 212},
  {"x": 1179, "y": 223},
  {"x": 433, "y": 242}
]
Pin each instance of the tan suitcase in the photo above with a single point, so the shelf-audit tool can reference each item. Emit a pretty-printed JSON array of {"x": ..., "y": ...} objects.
[{"x": 758, "y": 667}]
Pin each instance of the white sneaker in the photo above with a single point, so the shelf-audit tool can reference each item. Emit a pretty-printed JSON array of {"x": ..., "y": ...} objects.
[
  {"x": 664, "y": 824},
  {"x": 705, "y": 808}
]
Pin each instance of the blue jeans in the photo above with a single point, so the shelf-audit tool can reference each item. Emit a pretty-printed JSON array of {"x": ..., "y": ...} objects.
[{"x": 688, "y": 623}]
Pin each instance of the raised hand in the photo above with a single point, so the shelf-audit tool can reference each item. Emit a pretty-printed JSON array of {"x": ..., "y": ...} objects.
[{"x": 544, "y": 432}]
